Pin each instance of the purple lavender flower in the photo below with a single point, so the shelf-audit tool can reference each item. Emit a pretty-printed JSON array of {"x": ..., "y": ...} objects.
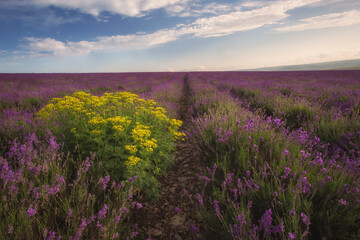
[
  {"x": 277, "y": 121},
  {"x": 241, "y": 218},
  {"x": 31, "y": 212},
  {"x": 69, "y": 213},
  {"x": 13, "y": 189},
  {"x": 266, "y": 223},
  {"x": 51, "y": 235},
  {"x": 305, "y": 185},
  {"x": 292, "y": 212},
  {"x": 36, "y": 170},
  {"x": 53, "y": 144},
  {"x": 199, "y": 198},
  {"x": 83, "y": 224},
  {"x": 292, "y": 236},
  {"x": 229, "y": 177},
  {"x": 216, "y": 207},
  {"x": 86, "y": 164},
  {"x": 194, "y": 229},
  {"x": 104, "y": 181},
  {"x": 102, "y": 212},
  {"x": 99, "y": 225},
  {"x": 206, "y": 179},
  {"x": 131, "y": 179},
  {"x": 287, "y": 171},
  {"x": 54, "y": 190},
  {"x": 117, "y": 220},
  {"x": 178, "y": 210},
  {"x": 343, "y": 202},
  {"x": 36, "y": 192},
  {"x": 305, "y": 219}
]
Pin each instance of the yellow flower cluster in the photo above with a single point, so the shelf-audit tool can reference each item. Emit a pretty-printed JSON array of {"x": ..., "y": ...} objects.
[
  {"x": 119, "y": 120},
  {"x": 97, "y": 120},
  {"x": 114, "y": 113},
  {"x": 131, "y": 148},
  {"x": 95, "y": 132},
  {"x": 149, "y": 144},
  {"x": 174, "y": 125},
  {"x": 140, "y": 134},
  {"x": 132, "y": 161},
  {"x": 179, "y": 136},
  {"x": 159, "y": 113}
]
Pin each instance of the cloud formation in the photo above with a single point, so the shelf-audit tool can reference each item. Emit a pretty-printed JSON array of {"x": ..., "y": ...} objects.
[
  {"x": 51, "y": 47},
  {"x": 187, "y": 9},
  {"x": 325, "y": 21},
  {"x": 220, "y": 25},
  {"x": 132, "y": 8}
]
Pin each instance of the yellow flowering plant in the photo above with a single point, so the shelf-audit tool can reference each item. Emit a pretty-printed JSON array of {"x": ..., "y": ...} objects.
[{"x": 130, "y": 135}]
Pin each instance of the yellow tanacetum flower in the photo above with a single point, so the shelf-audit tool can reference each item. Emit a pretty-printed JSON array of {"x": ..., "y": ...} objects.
[
  {"x": 131, "y": 148},
  {"x": 132, "y": 161},
  {"x": 179, "y": 135},
  {"x": 160, "y": 115},
  {"x": 176, "y": 123},
  {"x": 95, "y": 132},
  {"x": 73, "y": 130},
  {"x": 149, "y": 144},
  {"x": 118, "y": 128},
  {"x": 97, "y": 120},
  {"x": 141, "y": 132},
  {"x": 119, "y": 120}
]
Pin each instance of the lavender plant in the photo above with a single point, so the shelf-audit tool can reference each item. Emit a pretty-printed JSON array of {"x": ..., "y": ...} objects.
[{"x": 262, "y": 183}]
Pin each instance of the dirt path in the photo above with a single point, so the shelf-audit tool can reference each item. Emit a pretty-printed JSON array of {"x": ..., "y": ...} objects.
[{"x": 174, "y": 214}]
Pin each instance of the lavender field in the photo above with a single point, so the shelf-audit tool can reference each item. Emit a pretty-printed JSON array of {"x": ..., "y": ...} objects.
[{"x": 198, "y": 155}]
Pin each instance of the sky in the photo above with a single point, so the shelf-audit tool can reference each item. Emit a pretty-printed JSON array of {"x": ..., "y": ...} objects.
[{"x": 174, "y": 35}]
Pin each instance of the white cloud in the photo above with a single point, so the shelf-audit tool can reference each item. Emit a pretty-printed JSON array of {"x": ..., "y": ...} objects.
[
  {"x": 236, "y": 21},
  {"x": 338, "y": 3},
  {"x": 52, "y": 47},
  {"x": 253, "y": 4},
  {"x": 133, "y": 8},
  {"x": 186, "y": 9},
  {"x": 203, "y": 27},
  {"x": 269, "y": 13},
  {"x": 325, "y": 21}
]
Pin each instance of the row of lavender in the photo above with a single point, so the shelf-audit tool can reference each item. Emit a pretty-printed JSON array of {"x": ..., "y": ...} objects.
[
  {"x": 326, "y": 103},
  {"x": 51, "y": 194},
  {"x": 263, "y": 179}
]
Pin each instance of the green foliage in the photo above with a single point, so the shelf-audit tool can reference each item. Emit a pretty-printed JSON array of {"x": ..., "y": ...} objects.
[
  {"x": 32, "y": 102},
  {"x": 286, "y": 91},
  {"x": 299, "y": 115},
  {"x": 100, "y": 90},
  {"x": 329, "y": 130}
]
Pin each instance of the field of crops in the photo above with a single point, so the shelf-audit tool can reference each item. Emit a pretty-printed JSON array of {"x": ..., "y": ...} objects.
[{"x": 97, "y": 156}]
